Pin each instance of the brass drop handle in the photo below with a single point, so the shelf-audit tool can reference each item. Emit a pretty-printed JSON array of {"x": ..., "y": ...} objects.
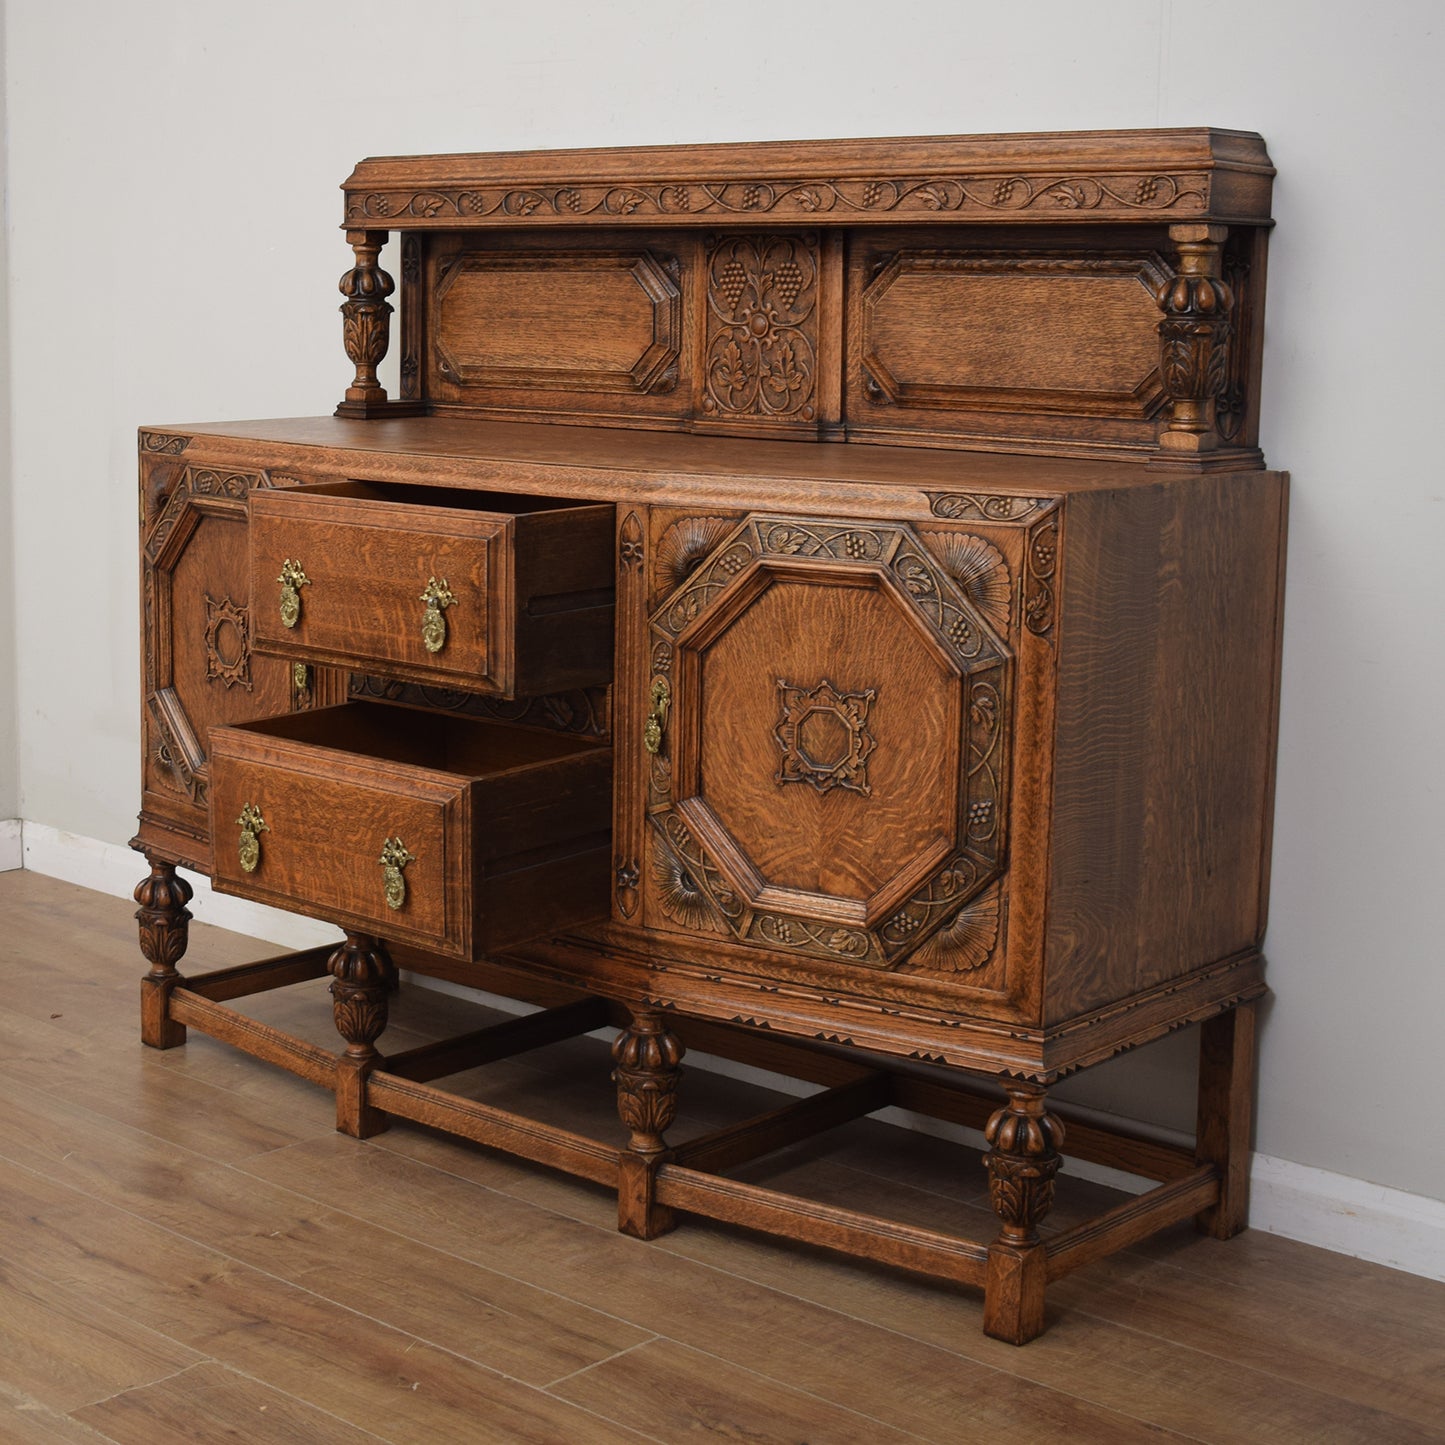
[
  {"x": 292, "y": 580},
  {"x": 252, "y": 825},
  {"x": 438, "y": 596},
  {"x": 395, "y": 857},
  {"x": 657, "y": 717}
]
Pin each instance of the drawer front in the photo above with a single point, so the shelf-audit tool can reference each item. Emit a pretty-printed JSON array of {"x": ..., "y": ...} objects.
[
  {"x": 370, "y": 588},
  {"x": 459, "y": 835},
  {"x": 321, "y": 845}
]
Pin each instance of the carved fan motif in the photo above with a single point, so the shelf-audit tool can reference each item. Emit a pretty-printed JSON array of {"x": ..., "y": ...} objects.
[
  {"x": 681, "y": 899},
  {"x": 979, "y": 569},
  {"x": 963, "y": 944},
  {"x": 682, "y": 548}
]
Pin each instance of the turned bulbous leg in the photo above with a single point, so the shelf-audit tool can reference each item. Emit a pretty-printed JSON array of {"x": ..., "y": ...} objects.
[
  {"x": 164, "y": 923},
  {"x": 1022, "y": 1161},
  {"x": 360, "y": 970},
  {"x": 646, "y": 1058}
]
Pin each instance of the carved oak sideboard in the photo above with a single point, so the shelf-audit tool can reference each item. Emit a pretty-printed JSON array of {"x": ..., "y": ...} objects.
[{"x": 814, "y": 602}]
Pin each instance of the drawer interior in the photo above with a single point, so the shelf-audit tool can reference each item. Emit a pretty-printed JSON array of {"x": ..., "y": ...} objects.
[
  {"x": 465, "y": 747},
  {"x": 457, "y": 499}
]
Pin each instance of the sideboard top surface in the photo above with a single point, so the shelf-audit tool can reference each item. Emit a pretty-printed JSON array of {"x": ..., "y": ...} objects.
[
  {"x": 1193, "y": 174},
  {"x": 552, "y": 452}
]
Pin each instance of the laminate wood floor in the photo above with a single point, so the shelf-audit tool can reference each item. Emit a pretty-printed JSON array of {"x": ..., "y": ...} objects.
[{"x": 188, "y": 1251}]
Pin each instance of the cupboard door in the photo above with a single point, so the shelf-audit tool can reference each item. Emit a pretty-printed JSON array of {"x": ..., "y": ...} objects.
[{"x": 825, "y": 715}]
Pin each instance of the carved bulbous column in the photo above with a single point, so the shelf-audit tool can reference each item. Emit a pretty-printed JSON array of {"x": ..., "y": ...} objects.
[
  {"x": 1022, "y": 1161},
  {"x": 1194, "y": 338},
  {"x": 366, "y": 321},
  {"x": 646, "y": 1057},
  {"x": 164, "y": 923},
  {"x": 361, "y": 970}
]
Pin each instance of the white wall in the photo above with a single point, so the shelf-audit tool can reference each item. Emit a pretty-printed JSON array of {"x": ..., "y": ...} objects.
[
  {"x": 174, "y": 255},
  {"x": 9, "y": 742}
]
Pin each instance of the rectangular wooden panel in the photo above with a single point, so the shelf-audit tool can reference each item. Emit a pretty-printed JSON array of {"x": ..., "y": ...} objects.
[
  {"x": 591, "y": 330},
  {"x": 964, "y": 341}
]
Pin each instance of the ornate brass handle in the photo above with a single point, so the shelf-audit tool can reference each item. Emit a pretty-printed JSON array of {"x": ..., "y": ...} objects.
[
  {"x": 394, "y": 857},
  {"x": 252, "y": 825},
  {"x": 292, "y": 580},
  {"x": 438, "y": 596},
  {"x": 657, "y": 718}
]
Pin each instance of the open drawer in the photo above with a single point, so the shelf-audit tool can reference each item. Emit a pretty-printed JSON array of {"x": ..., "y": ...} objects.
[
  {"x": 459, "y": 835},
  {"x": 489, "y": 591}
]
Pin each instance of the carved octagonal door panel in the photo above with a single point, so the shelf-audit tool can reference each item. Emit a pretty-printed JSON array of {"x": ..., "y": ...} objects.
[{"x": 827, "y": 719}]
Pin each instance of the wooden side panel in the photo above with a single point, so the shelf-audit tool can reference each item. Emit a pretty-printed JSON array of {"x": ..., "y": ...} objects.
[
  {"x": 1211, "y": 736},
  {"x": 1168, "y": 666},
  {"x": 1107, "y": 688}
]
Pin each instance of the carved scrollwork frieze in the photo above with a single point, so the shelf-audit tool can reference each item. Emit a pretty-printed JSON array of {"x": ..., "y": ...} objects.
[
  {"x": 1041, "y": 563},
  {"x": 1127, "y": 194},
  {"x": 961, "y": 505}
]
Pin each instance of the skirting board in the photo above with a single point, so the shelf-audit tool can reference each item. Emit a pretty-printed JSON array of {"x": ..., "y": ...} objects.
[
  {"x": 115, "y": 869},
  {"x": 1314, "y": 1206}
]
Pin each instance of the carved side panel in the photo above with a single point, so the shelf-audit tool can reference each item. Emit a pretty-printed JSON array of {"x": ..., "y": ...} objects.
[{"x": 197, "y": 665}]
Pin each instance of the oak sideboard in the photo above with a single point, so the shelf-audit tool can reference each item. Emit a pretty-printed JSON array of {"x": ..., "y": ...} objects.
[{"x": 817, "y": 603}]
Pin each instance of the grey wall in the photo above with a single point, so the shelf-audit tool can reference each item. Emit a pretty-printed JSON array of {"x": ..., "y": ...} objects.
[
  {"x": 174, "y": 256},
  {"x": 9, "y": 737}
]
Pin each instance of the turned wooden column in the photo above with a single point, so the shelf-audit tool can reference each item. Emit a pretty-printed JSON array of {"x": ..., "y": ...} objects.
[
  {"x": 1022, "y": 1160},
  {"x": 164, "y": 933},
  {"x": 646, "y": 1058},
  {"x": 1194, "y": 339},
  {"x": 360, "y": 970},
  {"x": 1226, "y": 1116},
  {"x": 366, "y": 323}
]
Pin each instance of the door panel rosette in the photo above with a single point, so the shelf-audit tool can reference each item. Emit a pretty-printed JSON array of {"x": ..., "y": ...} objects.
[{"x": 689, "y": 835}]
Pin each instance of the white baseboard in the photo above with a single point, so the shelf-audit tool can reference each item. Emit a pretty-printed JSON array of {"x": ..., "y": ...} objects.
[
  {"x": 1348, "y": 1216},
  {"x": 1314, "y": 1206},
  {"x": 114, "y": 869},
  {"x": 11, "y": 852}
]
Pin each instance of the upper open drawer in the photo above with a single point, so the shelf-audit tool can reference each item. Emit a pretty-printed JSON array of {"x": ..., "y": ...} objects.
[{"x": 489, "y": 591}]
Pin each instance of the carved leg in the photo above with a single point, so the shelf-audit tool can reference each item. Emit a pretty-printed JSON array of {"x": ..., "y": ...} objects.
[
  {"x": 359, "y": 969},
  {"x": 647, "y": 1058},
  {"x": 164, "y": 932},
  {"x": 1021, "y": 1163},
  {"x": 1226, "y": 1112}
]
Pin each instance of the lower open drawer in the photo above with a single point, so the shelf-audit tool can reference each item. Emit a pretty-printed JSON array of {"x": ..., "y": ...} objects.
[{"x": 459, "y": 835}]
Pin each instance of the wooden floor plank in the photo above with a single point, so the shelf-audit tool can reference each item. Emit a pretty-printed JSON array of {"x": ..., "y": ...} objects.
[
  {"x": 59, "y": 1349},
  {"x": 211, "y": 1405},
  {"x": 532, "y": 1334},
  {"x": 914, "y": 1388},
  {"x": 163, "y": 1208},
  {"x": 676, "y": 1393},
  {"x": 344, "y": 1363}
]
